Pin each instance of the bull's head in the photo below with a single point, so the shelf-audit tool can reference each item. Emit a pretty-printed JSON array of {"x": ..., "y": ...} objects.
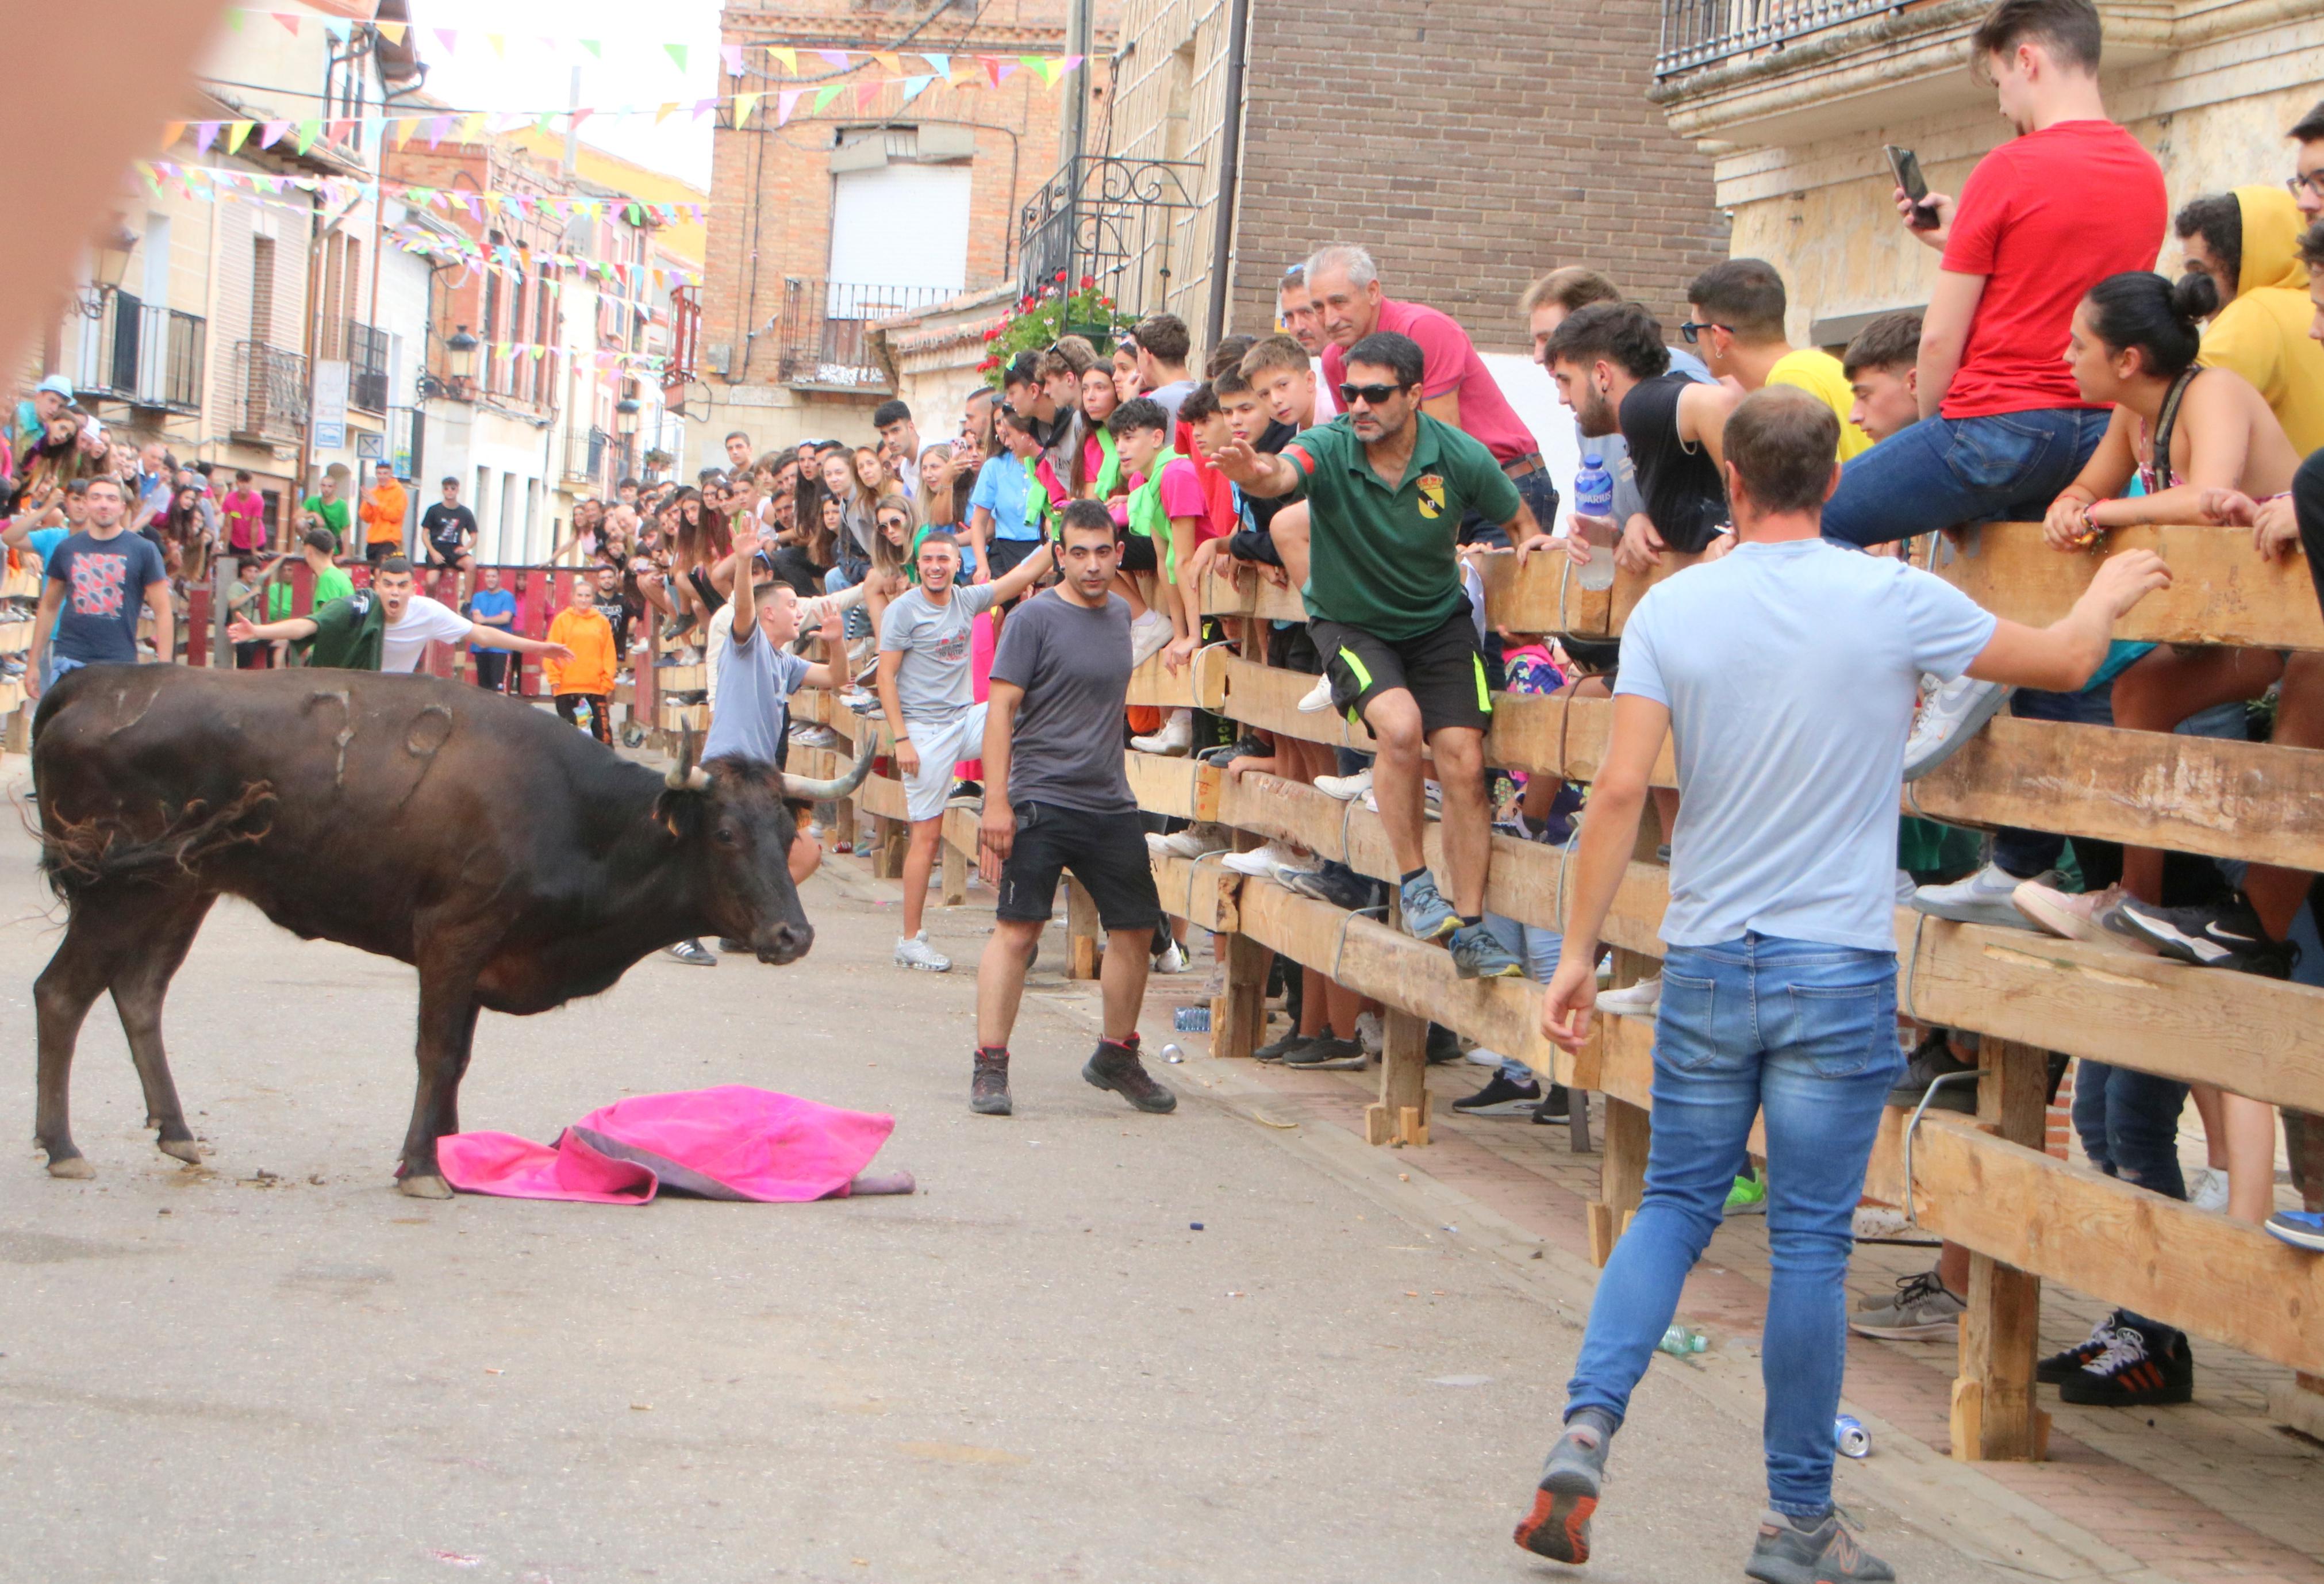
[{"x": 739, "y": 816}]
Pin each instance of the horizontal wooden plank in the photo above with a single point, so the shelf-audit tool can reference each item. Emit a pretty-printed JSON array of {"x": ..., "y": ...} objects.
[
  {"x": 1180, "y": 789},
  {"x": 1268, "y": 697}
]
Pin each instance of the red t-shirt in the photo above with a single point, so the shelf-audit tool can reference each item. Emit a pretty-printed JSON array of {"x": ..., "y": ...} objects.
[
  {"x": 2043, "y": 219},
  {"x": 1449, "y": 363}
]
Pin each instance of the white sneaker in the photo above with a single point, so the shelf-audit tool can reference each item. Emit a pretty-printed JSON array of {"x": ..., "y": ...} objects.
[
  {"x": 1432, "y": 800},
  {"x": 1370, "y": 1034},
  {"x": 1150, "y": 635},
  {"x": 1639, "y": 1000},
  {"x": 1196, "y": 841},
  {"x": 1177, "y": 735},
  {"x": 815, "y": 737},
  {"x": 2207, "y": 1189},
  {"x": 1950, "y": 714},
  {"x": 913, "y": 951},
  {"x": 1318, "y": 698},
  {"x": 1173, "y": 960},
  {"x": 1264, "y": 861},
  {"x": 1347, "y": 788},
  {"x": 1986, "y": 897}
]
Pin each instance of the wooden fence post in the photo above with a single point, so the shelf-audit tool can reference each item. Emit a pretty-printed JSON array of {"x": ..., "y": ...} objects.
[
  {"x": 1622, "y": 1166},
  {"x": 955, "y": 876},
  {"x": 1239, "y": 1017},
  {"x": 1994, "y": 1415},
  {"x": 1084, "y": 933},
  {"x": 1400, "y": 1115}
]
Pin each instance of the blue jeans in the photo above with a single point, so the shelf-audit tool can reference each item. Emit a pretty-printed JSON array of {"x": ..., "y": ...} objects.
[
  {"x": 846, "y": 575},
  {"x": 1945, "y": 472},
  {"x": 2128, "y": 1122},
  {"x": 1538, "y": 949},
  {"x": 1536, "y": 489},
  {"x": 1806, "y": 1033}
]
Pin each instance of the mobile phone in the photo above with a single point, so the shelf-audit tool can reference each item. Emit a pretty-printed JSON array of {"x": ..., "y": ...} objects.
[{"x": 1907, "y": 169}]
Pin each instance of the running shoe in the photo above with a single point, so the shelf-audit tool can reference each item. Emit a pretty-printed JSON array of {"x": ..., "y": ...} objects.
[
  {"x": 1921, "y": 1310},
  {"x": 692, "y": 953},
  {"x": 913, "y": 951},
  {"x": 2222, "y": 935},
  {"x": 1932, "y": 1060},
  {"x": 1558, "y": 1527},
  {"x": 1170, "y": 960},
  {"x": 2300, "y": 1229},
  {"x": 1196, "y": 841},
  {"x": 1477, "y": 954},
  {"x": 1500, "y": 1098},
  {"x": 966, "y": 794},
  {"x": 1335, "y": 882},
  {"x": 1327, "y": 1052},
  {"x": 1432, "y": 801},
  {"x": 1427, "y": 916},
  {"x": 1278, "y": 1050},
  {"x": 1557, "y": 1105},
  {"x": 2143, "y": 1365},
  {"x": 1639, "y": 1000},
  {"x": 1265, "y": 863},
  {"x": 1150, "y": 635},
  {"x": 1986, "y": 897},
  {"x": 1950, "y": 714},
  {"x": 1443, "y": 1045},
  {"x": 2077, "y": 918},
  {"x": 1824, "y": 1554},
  {"x": 2058, "y": 1367},
  {"x": 1747, "y": 1196}
]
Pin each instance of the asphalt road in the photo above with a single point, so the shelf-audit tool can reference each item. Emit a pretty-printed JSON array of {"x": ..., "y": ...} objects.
[{"x": 276, "y": 1368}]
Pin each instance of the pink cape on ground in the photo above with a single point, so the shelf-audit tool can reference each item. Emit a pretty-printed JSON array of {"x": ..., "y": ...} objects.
[{"x": 733, "y": 1142}]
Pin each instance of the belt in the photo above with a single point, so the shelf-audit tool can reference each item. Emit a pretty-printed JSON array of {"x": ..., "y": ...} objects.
[{"x": 1530, "y": 462}]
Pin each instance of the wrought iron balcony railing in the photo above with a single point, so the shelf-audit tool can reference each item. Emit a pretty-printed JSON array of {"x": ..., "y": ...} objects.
[
  {"x": 824, "y": 324},
  {"x": 1703, "y": 32},
  {"x": 148, "y": 356},
  {"x": 270, "y": 387}
]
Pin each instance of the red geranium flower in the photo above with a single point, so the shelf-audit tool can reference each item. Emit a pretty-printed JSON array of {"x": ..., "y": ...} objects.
[
  {"x": 1087, "y": 281},
  {"x": 1061, "y": 274}
]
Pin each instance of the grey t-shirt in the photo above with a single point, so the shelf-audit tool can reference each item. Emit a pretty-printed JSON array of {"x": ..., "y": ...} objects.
[
  {"x": 1172, "y": 396},
  {"x": 1074, "y": 664},
  {"x": 933, "y": 684},
  {"x": 755, "y": 683}
]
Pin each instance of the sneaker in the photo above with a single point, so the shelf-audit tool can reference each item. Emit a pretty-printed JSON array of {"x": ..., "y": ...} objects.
[
  {"x": 1482, "y": 1056},
  {"x": 1557, "y": 1105},
  {"x": 988, "y": 1087},
  {"x": 2222, "y": 935},
  {"x": 1932, "y": 1060},
  {"x": 1639, "y": 1000},
  {"x": 1785, "y": 1554},
  {"x": 1177, "y": 735},
  {"x": 815, "y": 737},
  {"x": 1346, "y": 787},
  {"x": 2300, "y": 1229},
  {"x": 966, "y": 794},
  {"x": 2143, "y": 1365},
  {"x": 913, "y": 951},
  {"x": 1317, "y": 699},
  {"x": 1370, "y": 1034},
  {"x": 1150, "y": 635},
  {"x": 1327, "y": 1052},
  {"x": 2076, "y": 918},
  {"x": 1196, "y": 841},
  {"x": 1986, "y": 897},
  {"x": 1432, "y": 801},
  {"x": 1246, "y": 747},
  {"x": 2207, "y": 1190},
  {"x": 1262, "y": 862},
  {"x": 860, "y": 702},
  {"x": 1116, "y": 1066},
  {"x": 1170, "y": 960},
  {"x": 1500, "y": 1098},
  {"x": 1921, "y": 1310},
  {"x": 1950, "y": 714},
  {"x": 1279, "y": 1049},
  {"x": 1336, "y": 884},
  {"x": 1477, "y": 954},
  {"x": 2059, "y": 1366},
  {"x": 1558, "y": 1527},
  {"x": 1443, "y": 1045},
  {"x": 1427, "y": 916},
  {"x": 1747, "y": 1196},
  {"x": 692, "y": 953}
]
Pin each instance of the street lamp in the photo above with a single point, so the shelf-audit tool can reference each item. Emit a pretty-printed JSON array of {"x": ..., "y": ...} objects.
[
  {"x": 460, "y": 354},
  {"x": 107, "y": 267},
  {"x": 625, "y": 416}
]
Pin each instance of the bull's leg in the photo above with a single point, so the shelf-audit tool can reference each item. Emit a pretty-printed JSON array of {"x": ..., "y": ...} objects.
[
  {"x": 448, "y": 1023},
  {"x": 61, "y": 996},
  {"x": 139, "y": 987}
]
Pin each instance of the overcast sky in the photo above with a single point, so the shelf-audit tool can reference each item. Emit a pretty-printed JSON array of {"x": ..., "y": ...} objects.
[{"x": 534, "y": 75}]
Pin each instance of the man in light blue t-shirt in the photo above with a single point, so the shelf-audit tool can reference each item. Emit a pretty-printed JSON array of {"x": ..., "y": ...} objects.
[{"x": 1785, "y": 672}]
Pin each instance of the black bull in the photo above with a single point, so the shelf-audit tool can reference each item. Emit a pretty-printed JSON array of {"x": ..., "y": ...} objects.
[{"x": 514, "y": 861}]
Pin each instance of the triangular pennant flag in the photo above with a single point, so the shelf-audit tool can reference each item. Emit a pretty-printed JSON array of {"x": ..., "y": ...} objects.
[
  {"x": 493, "y": 204},
  {"x": 733, "y": 56},
  {"x": 438, "y": 126},
  {"x": 235, "y": 131},
  {"x": 309, "y": 130},
  {"x": 204, "y": 134},
  {"x": 943, "y": 63},
  {"x": 888, "y": 62},
  {"x": 448, "y": 37},
  {"x": 636, "y": 216},
  {"x": 337, "y": 27},
  {"x": 405, "y": 125},
  {"x": 499, "y": 41},
  {"x": 914, "y": 86},
  {"x": 704, "y": 107},
  {"x": 824, "y": 96},
  {"x": 837, "y": 57},
  {"x": 1051, "y": 66},
  {"x": 743, "y": 104},
  {"x": 392, "y": 31},
  {"x": 473, "y": 205},
  {"x": 583, "y": 114},
  {"x": 676, "y": 52},
  {"x": 234, "y": 20},
  {"x": 786, "y": 102},
  {"x": 537, "y": 351},
  {"x": 788, "y": 57},
  {"x": 342, "y": 130},
  {"x": 275, "y": 132},
  {"x": 867, "y": 93},
  {"x": 540, "y": 123},
  {"x": 472, "y": 127},
  {"x": 289, "y": 19},
  {"x": 172, "y": 132},
  {"x": 669, "y": 108},
  {"x": 991, "y": 65},
  {"x": 594, "y": 47}
]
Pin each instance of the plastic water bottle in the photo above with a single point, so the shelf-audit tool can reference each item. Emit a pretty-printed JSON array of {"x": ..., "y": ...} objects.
[
  {"x": 1851, "y": 1437},
  {"x": 1594, "y": 496},
  {"x": 1681, "y": 1341}
]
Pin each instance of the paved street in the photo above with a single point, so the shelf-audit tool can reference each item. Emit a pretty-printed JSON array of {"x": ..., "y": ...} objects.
[{"x": 277, "y": 1369}]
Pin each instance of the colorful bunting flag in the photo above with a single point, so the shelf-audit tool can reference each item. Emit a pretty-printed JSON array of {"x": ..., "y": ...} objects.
[
  {"x": 788, "y": 56},
  {"x": 676, "y": 53},
  {"x": 733, "y": 56},
  {"x": 235, "y": 132}
]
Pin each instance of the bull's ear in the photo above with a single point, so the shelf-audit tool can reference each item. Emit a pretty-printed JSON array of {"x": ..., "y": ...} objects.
[{"x": 679, "y": 810}]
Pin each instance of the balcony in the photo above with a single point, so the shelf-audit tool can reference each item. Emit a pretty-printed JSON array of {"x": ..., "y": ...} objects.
[
  {"x": 366, "y": 368},
  {"x": 270, "y": 389},
  {"x": 1761, "y": 72},
  {"x": 148, "y": 356},
  {"x": 1114, "y": 221},
  {"x": 593, "y": 460},
  {"x": 824, "y": 346}
]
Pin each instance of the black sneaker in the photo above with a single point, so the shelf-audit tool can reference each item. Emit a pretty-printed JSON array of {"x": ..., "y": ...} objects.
[
  {"x": 1336, "y": 884},
  {"x": 1443, "y": 1045},
  {"x": 1327, "y": 1052},
  {"x": 1785, "y": 1554},
  {"x": 1557, "y": 1105},
  {"x": 2143, "y": 1365},
  {"x": 2055, "y": 1370},
  {"x": 2219, "y": 934},
  {"x": 988, "y": 1088},
  {"x": 1116, "y": 1066},
  {"x": 966, "y": 794},
  {"x": 1934, "y": 1059},
  {"x": 1242, "y": 748},
  {"x": 1500, "y": 1098},
  {"x": 692, "y": 953},
  {"x": 1278, "y": 1049}
]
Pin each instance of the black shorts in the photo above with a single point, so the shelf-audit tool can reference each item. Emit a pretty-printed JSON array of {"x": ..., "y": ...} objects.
[
  {"x": 1443, "y": 670},
  {"x": 379, "y": 549},
  {"x": 1137, "y": 553},
  {"x": 1292, "y": 649},
  {"x": 448, "y": 555},
  {"x": 1105, "y": 852},
  {"x": 1001, "y": 555}
]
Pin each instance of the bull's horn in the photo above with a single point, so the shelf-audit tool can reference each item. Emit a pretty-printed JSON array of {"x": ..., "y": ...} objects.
[
  {"x": 801, "y": 789},
  {"x": 685, "y": 774}
]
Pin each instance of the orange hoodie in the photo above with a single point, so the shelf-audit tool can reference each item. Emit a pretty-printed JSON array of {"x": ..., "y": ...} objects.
[{"x": 583, "y": 630}]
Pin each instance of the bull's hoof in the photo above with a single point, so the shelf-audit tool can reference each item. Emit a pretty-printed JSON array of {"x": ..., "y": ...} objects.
[
  {"x": 428, "y": 1187},
  {"x": 72, "y": 1167},
  {"x": 180, "y": 1149}
]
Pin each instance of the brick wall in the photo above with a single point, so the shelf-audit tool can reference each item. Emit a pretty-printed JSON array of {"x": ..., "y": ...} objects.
[{"x": 1470, "y": 147}]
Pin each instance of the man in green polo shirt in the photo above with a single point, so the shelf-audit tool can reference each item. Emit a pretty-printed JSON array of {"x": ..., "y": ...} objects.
[
  {"x": 328, "y": 510},
  {"x": 1386, "y": 487}
]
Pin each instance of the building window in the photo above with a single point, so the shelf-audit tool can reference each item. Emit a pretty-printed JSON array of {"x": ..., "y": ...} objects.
[{"x": 899, "y": 208}]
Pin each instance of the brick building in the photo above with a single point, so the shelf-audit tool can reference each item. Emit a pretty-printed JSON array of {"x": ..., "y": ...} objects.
[
  {"x": 1470, "y": 146},
  {"x": 869, "y": 207}
]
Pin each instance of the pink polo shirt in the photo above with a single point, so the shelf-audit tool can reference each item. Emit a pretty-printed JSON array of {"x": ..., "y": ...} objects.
[{"x": 1449, "y": 363}]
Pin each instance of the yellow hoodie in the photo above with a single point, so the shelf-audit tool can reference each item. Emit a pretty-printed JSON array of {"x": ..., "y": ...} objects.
[{"x": 2263, "y": 333}]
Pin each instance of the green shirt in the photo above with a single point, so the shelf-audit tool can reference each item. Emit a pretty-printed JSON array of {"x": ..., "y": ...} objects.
[
  {"x": 330, "y": 584},
  {"x": 1387, "y": 561},
  {"x": 336, "y": 515},
  {"x": 349, "y": 635}
]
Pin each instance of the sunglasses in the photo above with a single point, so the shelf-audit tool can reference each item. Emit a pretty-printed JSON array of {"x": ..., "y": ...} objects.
[
  {"x": 1372, "y": 395},
  {"x": 1692, "y": 332}
]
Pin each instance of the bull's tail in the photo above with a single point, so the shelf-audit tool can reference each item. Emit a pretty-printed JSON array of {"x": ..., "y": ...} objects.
[{"x": 79, "y": 854}]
